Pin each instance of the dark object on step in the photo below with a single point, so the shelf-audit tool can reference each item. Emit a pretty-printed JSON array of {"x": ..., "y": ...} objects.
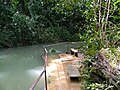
[{"x": 74, "y": 52}]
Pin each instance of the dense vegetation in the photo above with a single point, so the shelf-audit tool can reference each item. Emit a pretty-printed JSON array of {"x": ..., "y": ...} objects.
[
  {"x": 102, "y": 72},
  {"x": 27, "y": 22},
  {"x": 94, "y": 22},
  {"x": 37, "y": 21}
]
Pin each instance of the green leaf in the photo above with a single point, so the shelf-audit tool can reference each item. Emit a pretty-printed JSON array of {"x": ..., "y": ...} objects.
[{"x": 116, "y": 2}]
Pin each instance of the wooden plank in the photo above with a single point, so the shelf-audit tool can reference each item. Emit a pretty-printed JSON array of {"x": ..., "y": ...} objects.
[{"x": 73, "y": 71}]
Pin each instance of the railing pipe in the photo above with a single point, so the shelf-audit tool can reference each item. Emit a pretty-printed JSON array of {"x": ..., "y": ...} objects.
[
  {"x": 35, "y": 83},
  {"x": 46, "y": 62},
  {"x": 44, "y": 71}
]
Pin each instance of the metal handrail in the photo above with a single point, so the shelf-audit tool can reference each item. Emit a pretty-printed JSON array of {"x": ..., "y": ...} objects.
[
  {"x": 35, "y": 83},
  {"x": 44, "y": 71}
]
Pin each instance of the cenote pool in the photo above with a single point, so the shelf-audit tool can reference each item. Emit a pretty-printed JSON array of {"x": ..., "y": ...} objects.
[{"x": 20, "y": 67}]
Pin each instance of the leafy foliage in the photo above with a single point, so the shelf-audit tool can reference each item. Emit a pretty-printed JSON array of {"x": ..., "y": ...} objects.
[
  {"x": 28, "y": 22},
  {"x": 102, "y": 72}
]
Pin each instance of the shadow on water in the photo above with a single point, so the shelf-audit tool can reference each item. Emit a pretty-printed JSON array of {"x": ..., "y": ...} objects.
[{"x": 20, "y": 67}]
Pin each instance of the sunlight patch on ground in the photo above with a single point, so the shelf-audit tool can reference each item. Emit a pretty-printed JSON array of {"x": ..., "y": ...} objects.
[
  {"x": 57, "y": 60},
  {"x": 51, "y": 68}
]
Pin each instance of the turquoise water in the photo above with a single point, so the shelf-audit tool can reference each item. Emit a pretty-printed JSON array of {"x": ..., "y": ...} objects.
[{"x": 20, "y": 67}]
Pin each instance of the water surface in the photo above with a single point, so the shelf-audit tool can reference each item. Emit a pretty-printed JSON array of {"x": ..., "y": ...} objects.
[{"x": 20, "y": 67}]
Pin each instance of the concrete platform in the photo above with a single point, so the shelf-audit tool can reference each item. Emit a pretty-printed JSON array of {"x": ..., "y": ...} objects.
[{"x": 58, "y": 78}]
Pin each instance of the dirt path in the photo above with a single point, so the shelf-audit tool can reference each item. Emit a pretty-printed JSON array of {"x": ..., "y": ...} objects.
[{"x": 57, "y": 75}]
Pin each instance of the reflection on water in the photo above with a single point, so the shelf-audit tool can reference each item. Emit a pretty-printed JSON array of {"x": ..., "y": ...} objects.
[
  {"x": 20, "y": 67},
  {"x": 35, "y": 71}
]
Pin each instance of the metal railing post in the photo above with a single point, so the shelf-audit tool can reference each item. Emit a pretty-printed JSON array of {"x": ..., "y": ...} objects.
[
  {"x": 46, "y": 61},
  {"x": 45, "y": 80}
]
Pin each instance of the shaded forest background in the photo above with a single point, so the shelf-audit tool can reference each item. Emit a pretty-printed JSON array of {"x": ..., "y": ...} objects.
[{"x": 29, "y": 22}]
